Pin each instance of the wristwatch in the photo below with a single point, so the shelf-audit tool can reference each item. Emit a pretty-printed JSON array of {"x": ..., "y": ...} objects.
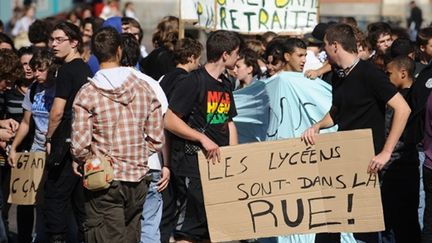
[{"x": 47, "y": 140}]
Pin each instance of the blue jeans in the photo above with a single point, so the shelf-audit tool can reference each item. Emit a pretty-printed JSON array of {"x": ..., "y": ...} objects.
[
  {"x": 422, "y": 192},
  {"x": 152, "y": 212}
]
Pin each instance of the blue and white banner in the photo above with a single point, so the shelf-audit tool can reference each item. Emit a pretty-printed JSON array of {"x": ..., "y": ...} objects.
[{"x": 283, "y": 106}]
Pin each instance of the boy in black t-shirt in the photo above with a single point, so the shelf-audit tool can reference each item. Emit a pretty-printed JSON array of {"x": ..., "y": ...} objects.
[
  {"x": 200, "y": 114},
  {"x": 187, "y": 55},
  {"x": 360, "y": 95},
  {"x": 400, "y": 177}
]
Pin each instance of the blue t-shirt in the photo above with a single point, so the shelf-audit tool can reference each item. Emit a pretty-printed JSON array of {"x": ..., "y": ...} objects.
[{"x": 40, "y": 108}]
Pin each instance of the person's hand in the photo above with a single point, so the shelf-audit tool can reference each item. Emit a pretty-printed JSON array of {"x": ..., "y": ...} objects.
[
  {"x": 312, "y": 74},
  {"x": 4, "y": 146},
  {"x": 309, "y": 135},
  {"x": 378, "y": 162},
  {"x": 9, "y": 124},
  {"x": 48, "y": 148},
  {"x": 12, "y": 157},
  {"x": 6, "y": 135},
  {"x": 164, "y": 180},
  {"x": 76, "y": 168},
  {"x": 211, "y": 149}
]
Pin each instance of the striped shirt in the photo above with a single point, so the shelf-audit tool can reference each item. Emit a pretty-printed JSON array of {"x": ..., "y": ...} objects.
[{"x": 13, "y": 103}]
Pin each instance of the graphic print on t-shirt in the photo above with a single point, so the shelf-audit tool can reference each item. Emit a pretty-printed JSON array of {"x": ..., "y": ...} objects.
[
  {"x": 221, "y": 112},
  {"x": 40, "y": 109}
]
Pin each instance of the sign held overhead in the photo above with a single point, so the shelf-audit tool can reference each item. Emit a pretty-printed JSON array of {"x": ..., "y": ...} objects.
[{"x": 258, "y": 16}]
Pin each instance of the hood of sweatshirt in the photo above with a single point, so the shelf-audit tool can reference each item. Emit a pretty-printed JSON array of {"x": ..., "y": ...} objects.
[{"x": 116, "y": 84}]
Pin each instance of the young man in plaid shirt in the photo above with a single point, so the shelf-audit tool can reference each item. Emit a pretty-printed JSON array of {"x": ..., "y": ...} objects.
[{"x": 116, "y": 114}]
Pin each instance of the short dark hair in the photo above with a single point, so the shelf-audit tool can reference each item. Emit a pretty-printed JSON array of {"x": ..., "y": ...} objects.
[
  {"x": 39, "y": 31},
  {"x": 401, "y": 47},
  {"x": 375, "y": 30},
  {"x": 130, "y": 50},
  {"x": 404, "y": 62},
  {"x": 186, "y": 48},
  {"x": 290, "y": 44},
  {"x": 95, "y": 22},
  {"x": 221, "y": 41},
  {"x": 5, "y": 38},
  {"x": 45, "y": 59},
  {"x": 250, "y": 58},
  {"x": 423, "y": 36},
  {"x": 344, "y": 35},
  {"x": 26, "y": 50},
  {"x": 105, "y": 43},
  {"x": 72, "y": 32},
  {"x": 400, "y": 32},
  {"x": 275, "y": 49}
]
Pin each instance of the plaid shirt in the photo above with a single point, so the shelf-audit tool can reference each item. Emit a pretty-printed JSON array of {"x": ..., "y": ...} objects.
[{"x": 124, "y": 123}]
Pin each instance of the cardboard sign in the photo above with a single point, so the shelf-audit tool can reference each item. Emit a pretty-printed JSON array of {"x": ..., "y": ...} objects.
[
  {"x": 285, "y": 187},
  {"x": 258, "y": 16},
  {"x": 26, "y": 178}
]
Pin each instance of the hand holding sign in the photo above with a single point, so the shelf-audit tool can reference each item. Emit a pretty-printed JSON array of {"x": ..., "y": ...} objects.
[
  {"x": 212, "y": 151},
  {"x": 12, "y": 157},
  {"x": 310, "y": 134}
]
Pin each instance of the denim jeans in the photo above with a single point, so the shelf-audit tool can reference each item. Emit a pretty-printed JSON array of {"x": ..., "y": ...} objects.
[
  {"x": 427, "y": 219},
  {"x": 152, "y": 211},
  {"x": 422, "y": 192}
]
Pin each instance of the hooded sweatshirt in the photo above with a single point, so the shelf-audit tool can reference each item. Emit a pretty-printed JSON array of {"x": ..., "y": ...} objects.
[{"x": 117, "y": 114}]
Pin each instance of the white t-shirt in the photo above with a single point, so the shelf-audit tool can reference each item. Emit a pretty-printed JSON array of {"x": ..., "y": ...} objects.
[{"x": 155, "y": 161}]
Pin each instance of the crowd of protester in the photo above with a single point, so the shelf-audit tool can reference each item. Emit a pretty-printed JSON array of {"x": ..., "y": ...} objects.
[{"x": 81, "y": 86}]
